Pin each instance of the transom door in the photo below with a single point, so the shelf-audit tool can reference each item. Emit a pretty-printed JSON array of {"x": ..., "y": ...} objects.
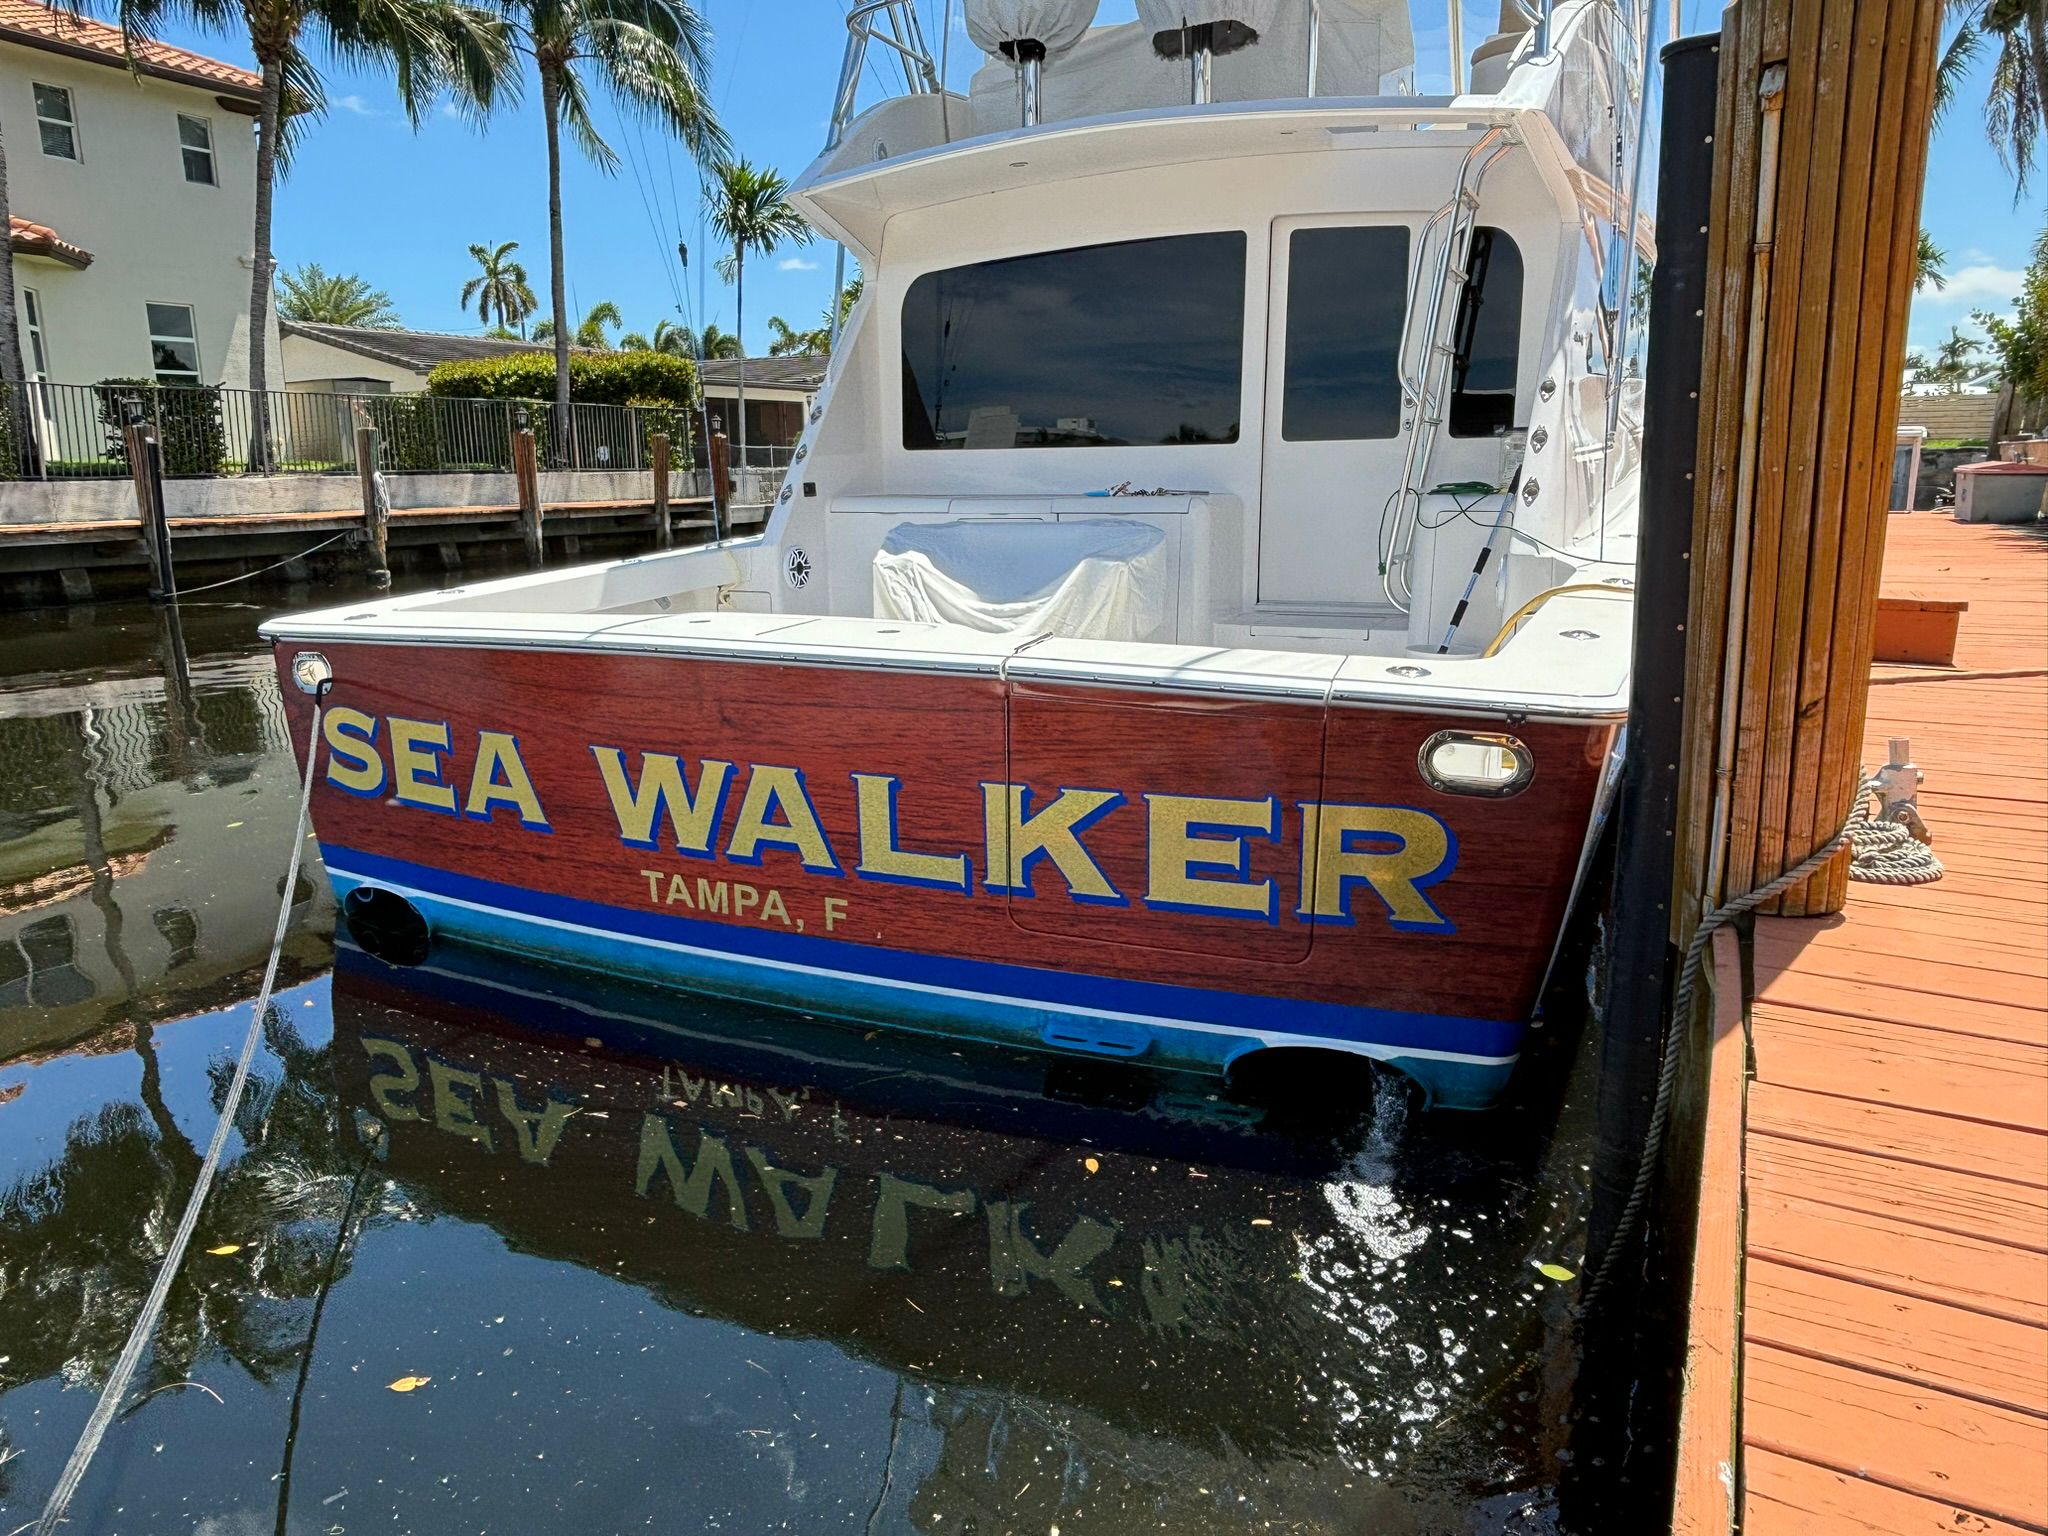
[{"x": 1333, "y": 413}]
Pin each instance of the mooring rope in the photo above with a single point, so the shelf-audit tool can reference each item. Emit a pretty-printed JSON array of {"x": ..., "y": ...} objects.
[
  {"x": 1878, "y": 854},
  {"x": 287, "y": 560},
  {"x": 146, "y": 1320}
]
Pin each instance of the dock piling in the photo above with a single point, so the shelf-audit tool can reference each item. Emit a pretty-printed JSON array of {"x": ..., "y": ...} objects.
[
  {"x": 664, "y": 534},
  {"x": 526, "y": 472},
  {"x": 146, "y": 466},
  {"x": 376, "y": 505}
]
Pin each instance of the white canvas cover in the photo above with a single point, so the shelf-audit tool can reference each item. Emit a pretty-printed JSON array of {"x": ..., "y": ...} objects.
[
  {"x": 1055, "y": 25},
  {"x": 1094, "y": 578}
]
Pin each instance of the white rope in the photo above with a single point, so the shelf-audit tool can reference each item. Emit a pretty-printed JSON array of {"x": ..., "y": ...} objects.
[
  {"x": 1891, "y": 849},
  {"x": 152, "y": 1308}
]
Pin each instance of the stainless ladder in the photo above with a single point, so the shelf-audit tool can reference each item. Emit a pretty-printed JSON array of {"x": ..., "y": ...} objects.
[{"x": 1428, "y": 352}]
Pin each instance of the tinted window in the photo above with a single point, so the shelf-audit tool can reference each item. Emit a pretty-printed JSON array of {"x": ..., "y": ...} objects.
[
  {"x": 1132, "y": 343},
  {"x": 1489, "y": 338},
  {"x": 1347, "y": 293}
]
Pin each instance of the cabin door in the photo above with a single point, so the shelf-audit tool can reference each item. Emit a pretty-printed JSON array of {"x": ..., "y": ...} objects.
[{"x": 1333, "y": 416}]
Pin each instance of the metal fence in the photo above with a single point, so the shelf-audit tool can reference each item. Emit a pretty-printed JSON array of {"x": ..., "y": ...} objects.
[{"x": 73, "y": 431}]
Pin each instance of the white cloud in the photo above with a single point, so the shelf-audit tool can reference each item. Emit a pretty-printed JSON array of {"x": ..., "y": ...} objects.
[
  {"x": 448, "y": 110},
  {"x": 796, "y": 264},
  {"x": 357, "y": 105},
  {"x": 1979, "y": 285}
]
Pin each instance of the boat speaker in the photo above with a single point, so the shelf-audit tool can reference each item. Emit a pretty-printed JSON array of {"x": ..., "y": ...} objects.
[{"x": 386, "y": 926}]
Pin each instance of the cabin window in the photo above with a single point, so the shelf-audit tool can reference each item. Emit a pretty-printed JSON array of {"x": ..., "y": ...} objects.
[
  {"x": 1347, "y": 294},
  {"x": 1139, "y": 342},
  {"x": 1488, "y": 338},
  {"x": 56, "y": 121}
]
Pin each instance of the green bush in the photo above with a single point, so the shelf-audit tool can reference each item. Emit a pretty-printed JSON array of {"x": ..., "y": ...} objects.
[
  {"x": 595, "y": 378},
  {"x": 412, "y": 441},
  {"x": 12, "y": 464},
  {"x": 187, "y": 418},
  {"x": 657, "y": 416}
]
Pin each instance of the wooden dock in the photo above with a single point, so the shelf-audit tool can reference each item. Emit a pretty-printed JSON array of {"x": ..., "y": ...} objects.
[{"x": 1869, "y": 1336}]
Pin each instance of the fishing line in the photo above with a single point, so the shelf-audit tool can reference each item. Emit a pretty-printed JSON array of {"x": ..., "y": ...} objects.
[{"x": 139, "y": 1336}]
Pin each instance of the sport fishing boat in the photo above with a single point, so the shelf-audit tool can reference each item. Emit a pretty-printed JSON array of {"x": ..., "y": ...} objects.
[{"x": 1195, "y": 624}]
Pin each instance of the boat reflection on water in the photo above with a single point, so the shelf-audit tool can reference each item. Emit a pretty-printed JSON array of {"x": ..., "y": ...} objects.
[{"x": 1116, "y": 1297}]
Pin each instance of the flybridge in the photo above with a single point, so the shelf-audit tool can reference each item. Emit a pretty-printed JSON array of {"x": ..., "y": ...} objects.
[{"x": 1356, "y": 861}]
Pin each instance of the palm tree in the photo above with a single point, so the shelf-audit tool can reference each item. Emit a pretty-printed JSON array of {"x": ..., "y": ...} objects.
[
  {"x": 317, "y": 298},
  {"x": 816, "y": 342},
  {"x": 2016, "y": 110},
  {"x": 654, "y": 56},
  {"x": 1930, "y": 265},
  {"x": 750, "y": 211},
  {"x": 1954, "y": 359},
  {"x": 712, "y": 342},
  {"x": 502, "y": 289},
  {"x": 10, "y": 336},
  {"x": 591, "y": 334},
  {"x": 431, "y": 46},
  {"x": 665, "y": 337}
]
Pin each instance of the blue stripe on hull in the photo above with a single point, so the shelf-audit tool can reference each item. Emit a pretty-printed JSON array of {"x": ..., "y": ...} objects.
[{"x": 1462, "y": 1062}]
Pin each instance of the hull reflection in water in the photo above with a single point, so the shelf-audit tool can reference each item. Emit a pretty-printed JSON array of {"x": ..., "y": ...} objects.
[{"x": 1120, "y": 1302}]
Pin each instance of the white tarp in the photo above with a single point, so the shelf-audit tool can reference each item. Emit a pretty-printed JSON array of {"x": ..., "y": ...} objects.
[
  {"x": 1055, "y": 25},
  {"x": 1096, "y": 578}
]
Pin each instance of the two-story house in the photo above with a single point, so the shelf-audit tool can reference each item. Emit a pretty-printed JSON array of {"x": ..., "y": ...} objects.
[{"x": 132, "y": 193}]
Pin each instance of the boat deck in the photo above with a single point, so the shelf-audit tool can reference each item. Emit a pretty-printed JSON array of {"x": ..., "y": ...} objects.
[{"x": 1869, "y": 1345}]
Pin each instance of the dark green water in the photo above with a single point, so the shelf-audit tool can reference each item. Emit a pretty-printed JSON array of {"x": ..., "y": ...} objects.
[{"x": 674, "y": 1265}]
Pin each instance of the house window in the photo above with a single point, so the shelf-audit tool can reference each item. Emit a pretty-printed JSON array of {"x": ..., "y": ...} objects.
[
  {"x": 195, "y": 142},
  {"x": 38, "y": 358},
  {"x": 173, "y": 344},
  {"x": 1140, "y": 342},
  {"x": 56, "y": 122}
]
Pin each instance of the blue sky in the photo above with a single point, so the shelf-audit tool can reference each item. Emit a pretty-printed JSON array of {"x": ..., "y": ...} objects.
[{"x": 369, "y": 195}]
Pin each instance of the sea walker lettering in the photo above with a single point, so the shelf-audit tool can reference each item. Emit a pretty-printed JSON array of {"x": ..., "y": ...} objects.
[{"x": 1198, "y": 848}]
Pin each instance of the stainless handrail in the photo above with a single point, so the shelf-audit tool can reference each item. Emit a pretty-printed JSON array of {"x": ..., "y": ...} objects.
[{"x": 1423, "y": 400}]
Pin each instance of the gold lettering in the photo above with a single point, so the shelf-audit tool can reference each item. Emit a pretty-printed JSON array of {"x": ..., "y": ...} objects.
[
  {"x": 880, "y": 857},
  {"x": 1413, "y": 850},
  {"x": 692, "y": 818},
  {"x": 352, "y": 760},
  {"x": 497, "y": 750},
  {"x": 416, "y": 748},
  {"x": 769, "y": 789},
  {"x": 1173, "y": 849},
  {"x": 1015, "y": 840}
]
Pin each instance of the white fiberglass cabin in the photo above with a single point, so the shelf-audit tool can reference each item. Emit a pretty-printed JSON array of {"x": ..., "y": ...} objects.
[{"x": 1223, "y": 415}]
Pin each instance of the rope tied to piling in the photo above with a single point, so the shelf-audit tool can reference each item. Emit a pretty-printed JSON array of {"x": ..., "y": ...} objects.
[
  {"x": 144, "y": 1328},
  {"x": 1887, "y": 849}
]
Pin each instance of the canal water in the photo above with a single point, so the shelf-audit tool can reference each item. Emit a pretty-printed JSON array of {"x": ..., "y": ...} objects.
[{"x": 498, "y": 1249}]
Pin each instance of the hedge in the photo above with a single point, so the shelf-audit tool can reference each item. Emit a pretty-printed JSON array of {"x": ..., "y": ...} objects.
[
  {"x": 187, "y": 417},
  {"x": 595, "y": 378}
]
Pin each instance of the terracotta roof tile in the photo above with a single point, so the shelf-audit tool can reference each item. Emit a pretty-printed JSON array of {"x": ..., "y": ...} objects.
[
  {"x": 24, "y": 21},
  {"x": 41, "y": 240}
]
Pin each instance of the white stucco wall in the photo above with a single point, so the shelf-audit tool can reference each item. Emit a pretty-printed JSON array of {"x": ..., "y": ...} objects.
[
  {"x": 308, "y": 362},
  {"x": 154, "y": 235}
]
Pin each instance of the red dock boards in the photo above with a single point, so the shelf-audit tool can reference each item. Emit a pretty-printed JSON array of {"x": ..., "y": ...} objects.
[{"x": 1894, "y": 1160}]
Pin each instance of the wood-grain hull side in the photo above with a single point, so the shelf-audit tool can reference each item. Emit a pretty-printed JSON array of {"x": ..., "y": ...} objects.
[{"x": 1161, "y": 876}]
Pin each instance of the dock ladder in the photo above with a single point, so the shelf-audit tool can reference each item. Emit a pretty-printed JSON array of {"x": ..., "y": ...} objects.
[{"x": 1429, "y": 349}]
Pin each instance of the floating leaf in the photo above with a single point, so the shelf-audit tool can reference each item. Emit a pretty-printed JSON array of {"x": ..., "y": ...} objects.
[
  {"x": 1556, "y": 1272},
  {"x": 410, "y": 1383},
  {"x": 225, "y": 1249},
  {"x": 233, "y": 824},
  {"x": 1262, "y": 1221},
  {"x": 1091, "y": 1165}
]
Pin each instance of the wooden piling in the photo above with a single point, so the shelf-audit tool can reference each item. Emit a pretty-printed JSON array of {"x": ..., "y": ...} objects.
[
  {"x": 664, "y": 534},
  {"x": 1823, "y": 119},
  {"x": 721, "y": 484},
  {"x": 376, "y": 508},
  {"x": 146, "y": 467},
  {"x": 526, "y": 471}
]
